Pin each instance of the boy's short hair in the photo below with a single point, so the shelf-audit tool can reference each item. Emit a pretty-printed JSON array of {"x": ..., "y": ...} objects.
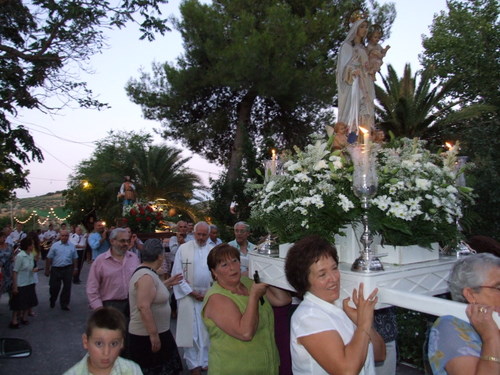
[{"x": 107, "y": 318}]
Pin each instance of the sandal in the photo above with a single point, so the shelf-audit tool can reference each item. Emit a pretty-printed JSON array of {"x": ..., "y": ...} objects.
[
  {"x": 25, "y": 322},
  {"x": 13, "y": 325}
]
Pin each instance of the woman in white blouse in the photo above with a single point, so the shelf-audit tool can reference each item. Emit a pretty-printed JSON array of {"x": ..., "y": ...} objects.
[{"x": 326, "y": 339}]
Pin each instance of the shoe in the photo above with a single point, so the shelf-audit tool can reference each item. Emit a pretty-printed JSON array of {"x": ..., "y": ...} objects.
[
  {"x": 52, "y": 304},
  {"x": 25, "y": 322},
  {"x": 65, "y": 308},
  {"x": 77, "y": 282},
  {"x": 13, "y": 325}
]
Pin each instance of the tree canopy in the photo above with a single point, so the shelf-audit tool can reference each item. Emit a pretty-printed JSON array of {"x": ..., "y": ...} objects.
[
  {"x": 157, "y": 171},
  {"x": 255, "y": 75},
  {"x": 463, "y": 45},
  {"x": 412, "y": 106},
  {"x": 38, "y": 42}
]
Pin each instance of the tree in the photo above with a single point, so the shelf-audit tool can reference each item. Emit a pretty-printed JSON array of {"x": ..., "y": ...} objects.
[
  {"x": 17, "y": 147},
  {"x": 464, "y": 45},
  {"x": 37, "y": 44},
  {"x": 162, "y": 175},
  {"x": 255, "y": 75},
  {"x": 158, "y": 171},
  {"x": 411, "y": 106},
  {"x": 93, "y": 187}
]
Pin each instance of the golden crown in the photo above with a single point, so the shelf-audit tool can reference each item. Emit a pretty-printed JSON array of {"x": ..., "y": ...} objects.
[{"x": 356, "y": 15}]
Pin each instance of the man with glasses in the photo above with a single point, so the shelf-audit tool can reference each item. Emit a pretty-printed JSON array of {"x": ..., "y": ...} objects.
[
  {"x": 110, "y": 273},
  {"x": 241, "y": 233}
]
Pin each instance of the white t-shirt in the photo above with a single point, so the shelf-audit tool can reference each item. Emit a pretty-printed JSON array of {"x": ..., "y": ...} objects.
[{"x": 315, "y": 315}]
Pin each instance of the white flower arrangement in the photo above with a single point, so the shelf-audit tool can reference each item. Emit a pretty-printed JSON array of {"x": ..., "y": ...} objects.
[
  {"x": 417, "y": 201},
  {"x": 313, "y": 195}
]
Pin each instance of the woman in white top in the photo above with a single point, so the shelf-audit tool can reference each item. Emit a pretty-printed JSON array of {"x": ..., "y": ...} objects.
[{"x": 326, "y": 339}]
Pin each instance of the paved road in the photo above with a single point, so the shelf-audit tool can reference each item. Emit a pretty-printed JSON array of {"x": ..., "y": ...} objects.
[{"x": 55, "y": 335}]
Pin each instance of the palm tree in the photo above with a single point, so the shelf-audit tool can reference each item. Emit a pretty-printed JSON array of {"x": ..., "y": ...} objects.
[
  {"x": 161, "y": 175},
  {"x": 411, "y": 106}
]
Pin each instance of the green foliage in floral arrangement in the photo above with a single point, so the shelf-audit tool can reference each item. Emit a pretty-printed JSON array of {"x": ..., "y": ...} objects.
[
  {"x": 313, "y": 195},
  {"x": 417, "y": 201},
  {"x": 142, "y": 218}
]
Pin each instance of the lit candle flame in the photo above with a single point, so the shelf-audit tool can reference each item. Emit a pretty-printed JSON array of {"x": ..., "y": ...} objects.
[
  {"x": 366, "y": 135},
  {"x": 365, "y": 131},
  {"x": 449, "y": 145}
]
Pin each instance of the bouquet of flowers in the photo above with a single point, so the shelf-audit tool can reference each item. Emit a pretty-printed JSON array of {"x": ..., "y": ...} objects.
[
  {"x": 142, "y": 218},
  {"x": 417, "y": 201},
  {"x": 312, "y": 195}
]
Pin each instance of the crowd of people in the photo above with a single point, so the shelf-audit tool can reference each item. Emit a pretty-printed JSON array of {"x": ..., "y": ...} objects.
[{"x": 225, "y": 317}]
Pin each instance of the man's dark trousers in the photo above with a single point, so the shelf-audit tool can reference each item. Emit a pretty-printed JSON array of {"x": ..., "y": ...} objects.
[{"x": 58, "y": 275}]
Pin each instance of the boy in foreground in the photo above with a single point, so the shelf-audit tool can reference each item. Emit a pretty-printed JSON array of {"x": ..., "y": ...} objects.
[{"x": 103, "y": 339}]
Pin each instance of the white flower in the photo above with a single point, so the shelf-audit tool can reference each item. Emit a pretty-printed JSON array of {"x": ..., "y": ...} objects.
[
  {"x": 423, "y": 184},
  {"x": 301, "y": 177},
  {"x": 345, "y": 203},
  {"x": 451, "y": 189},
  {"x": 321, "y": 164},
  {"x": 292, "y": 167},
  {"x": 270, "y": 186},
  {"x": 382, "y": 202}
]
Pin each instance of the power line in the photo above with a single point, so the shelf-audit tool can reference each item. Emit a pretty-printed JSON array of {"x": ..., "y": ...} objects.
[
  {"x": 47, "y": 179},
  {"x": 60, "y": 161},
  {"x": 51, "y": 133}
]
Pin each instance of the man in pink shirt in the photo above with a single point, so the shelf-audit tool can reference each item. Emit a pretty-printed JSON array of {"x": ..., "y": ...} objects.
[{"x": 110, "y": 273}]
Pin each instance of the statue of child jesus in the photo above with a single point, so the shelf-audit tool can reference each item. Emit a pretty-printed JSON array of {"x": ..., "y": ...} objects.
[{"x": 375, "y": 51}]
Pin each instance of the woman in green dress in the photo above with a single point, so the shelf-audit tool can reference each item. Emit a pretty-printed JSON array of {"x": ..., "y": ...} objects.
[{"x": 239, "y": 317}]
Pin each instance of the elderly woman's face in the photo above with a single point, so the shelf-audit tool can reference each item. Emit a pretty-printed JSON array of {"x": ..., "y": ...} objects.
[
  {"x": 489, "y": 292},
  {"x": 228, "y": 271},
  {"x": 324, "y": 279}
]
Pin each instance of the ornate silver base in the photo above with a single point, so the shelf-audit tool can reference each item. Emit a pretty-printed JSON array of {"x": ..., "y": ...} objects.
[
  {"x": 366, "y": 262},
  {"x": 370, "y": 264},
  {"x": 268, "y": 246}
]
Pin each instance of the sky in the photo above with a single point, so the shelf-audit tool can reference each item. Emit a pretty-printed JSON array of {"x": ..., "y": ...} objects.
[{"x": 68, "y": 137}]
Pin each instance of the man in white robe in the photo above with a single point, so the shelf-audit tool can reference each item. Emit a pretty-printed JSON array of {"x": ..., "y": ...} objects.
[{"x": 191, "y": 261}]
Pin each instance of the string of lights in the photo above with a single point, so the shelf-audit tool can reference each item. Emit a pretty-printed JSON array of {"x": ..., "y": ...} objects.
[{"x": 42, "y": 222}]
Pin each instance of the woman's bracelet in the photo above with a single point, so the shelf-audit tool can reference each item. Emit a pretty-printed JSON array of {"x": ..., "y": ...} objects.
[{"x": 490, "y": 358}]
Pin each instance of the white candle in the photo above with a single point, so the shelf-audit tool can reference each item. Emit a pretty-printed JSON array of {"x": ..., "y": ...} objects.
[
  {"x": 366, "y": 150},
  {"x": 273, "y": 162}
]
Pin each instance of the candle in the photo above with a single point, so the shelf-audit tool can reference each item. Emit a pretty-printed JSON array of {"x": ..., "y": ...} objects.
[
  {"x": 366, "y": 149},
  {"x": 273, "y": 162}
]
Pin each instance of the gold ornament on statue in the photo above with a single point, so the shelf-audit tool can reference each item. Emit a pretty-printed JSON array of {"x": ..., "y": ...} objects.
[{"x": 356, "y": 15}]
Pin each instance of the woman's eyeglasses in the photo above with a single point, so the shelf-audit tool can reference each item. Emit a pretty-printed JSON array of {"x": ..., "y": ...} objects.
[{"x": 497, "y": 287}]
